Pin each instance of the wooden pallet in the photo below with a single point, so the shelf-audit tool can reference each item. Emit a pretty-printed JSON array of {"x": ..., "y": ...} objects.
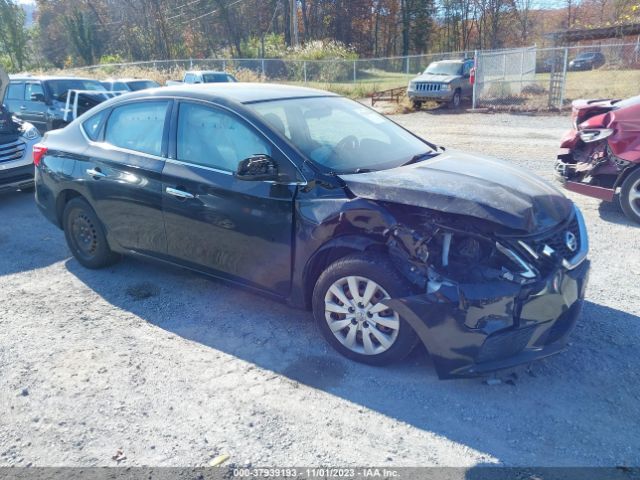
[{"x": 391, "y": 95}]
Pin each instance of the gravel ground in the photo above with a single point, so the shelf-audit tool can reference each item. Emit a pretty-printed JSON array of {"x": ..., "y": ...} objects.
[{"x": 142, "y": 364}]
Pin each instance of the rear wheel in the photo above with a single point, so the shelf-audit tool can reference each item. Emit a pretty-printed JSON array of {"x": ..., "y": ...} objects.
[
  {"x": 630, "y": 196},
  {"x": 85, "y": 235},
  {"x": 348, "y": 310},
  {"x": 417, "y": 105}
]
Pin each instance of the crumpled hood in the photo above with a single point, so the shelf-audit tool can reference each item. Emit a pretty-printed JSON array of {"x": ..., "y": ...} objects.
[
  {"x": 427, "y": 77},
  {"x": 459, "y": 183}
]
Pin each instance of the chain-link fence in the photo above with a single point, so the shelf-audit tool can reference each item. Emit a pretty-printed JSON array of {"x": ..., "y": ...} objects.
[
  {"x": 526, "y": 78},
  {"x": 559, "y": 75}
]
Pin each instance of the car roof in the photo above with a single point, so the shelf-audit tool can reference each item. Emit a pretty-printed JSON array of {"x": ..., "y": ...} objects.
[
  {"x": 462, "y": 60},
  {"x": 238, "y": 92},
  {"x": 125, "y": 80},
  {"x": 44, "y": 78},
  {"x": 209, "y": 71}
]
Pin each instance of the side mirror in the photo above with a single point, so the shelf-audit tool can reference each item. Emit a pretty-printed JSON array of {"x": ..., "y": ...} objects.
[
  {"x": 257, "y": 168},
  {"x": 37, "y": 97}
]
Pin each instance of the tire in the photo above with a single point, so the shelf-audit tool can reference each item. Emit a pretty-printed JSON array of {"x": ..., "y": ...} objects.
[
  {"x": 386, "y": 343},
  {"x": 417, "y": 105},
  {"x": 630, "y": 196},
  {"x": 456, "y": 100},
  {"x": 85, "y": 235}
]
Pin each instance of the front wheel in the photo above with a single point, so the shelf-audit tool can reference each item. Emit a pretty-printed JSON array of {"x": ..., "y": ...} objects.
[
  {"x": 348, "y": 309},
  {"x": 456, "y": 100},
  {"x": 417, "y": 104},
  {"x": 630, "y": 196},
  {"x": 85, "y": 235}
]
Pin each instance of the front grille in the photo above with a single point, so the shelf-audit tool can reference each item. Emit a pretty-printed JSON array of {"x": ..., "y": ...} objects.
[
  {"x": 558, "y": 241},
  {"x": 428, "y": 87},
  {"x": 12, "y": 151}
]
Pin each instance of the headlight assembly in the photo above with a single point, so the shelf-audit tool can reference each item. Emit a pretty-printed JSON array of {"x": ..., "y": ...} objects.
[
  {"x": 31, "y": 133},
  {"x": 595, "y": 134}
]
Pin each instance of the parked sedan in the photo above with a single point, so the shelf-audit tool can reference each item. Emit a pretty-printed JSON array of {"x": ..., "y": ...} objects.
[
  {"x": 323, "y": 203},
  {"x": 587, "y": 61},
  {"x": 123, "y": 85}
]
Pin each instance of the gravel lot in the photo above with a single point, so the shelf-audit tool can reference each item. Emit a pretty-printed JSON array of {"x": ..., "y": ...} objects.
[{"x": 142, "y": 364}]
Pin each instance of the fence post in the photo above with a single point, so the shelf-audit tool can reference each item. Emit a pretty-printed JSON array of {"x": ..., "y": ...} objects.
[
  {"x": 355, "y": 70},
  {"x": 304, "y": 68},
  {"x": 564, "y": 76},
  {"x": 191, "y": 64},
  {"x": 407, "y": 65},
  {"x": 475, "y": 79},
  {"x": 264, "y": 73}
]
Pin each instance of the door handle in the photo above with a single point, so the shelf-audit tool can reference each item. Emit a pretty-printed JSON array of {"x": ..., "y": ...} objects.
[
  {"x": 95, "y": 173},
  {"x": 182, "y": 195}
]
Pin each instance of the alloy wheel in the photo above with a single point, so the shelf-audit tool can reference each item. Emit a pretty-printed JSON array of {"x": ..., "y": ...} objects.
[
  {"x": 634, "y": 197},
  {"x": 357, "y": 318}
]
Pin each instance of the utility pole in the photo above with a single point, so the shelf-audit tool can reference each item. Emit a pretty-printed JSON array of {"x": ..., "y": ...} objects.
[{"x": 294, "y": 22}]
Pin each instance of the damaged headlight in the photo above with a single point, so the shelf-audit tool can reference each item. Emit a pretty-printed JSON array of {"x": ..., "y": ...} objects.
[
  {"x": 526, "y": 271},
  {"x": 595, "y": 134}
]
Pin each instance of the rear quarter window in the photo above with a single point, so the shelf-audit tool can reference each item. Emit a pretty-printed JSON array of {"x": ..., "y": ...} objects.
[{"x": 93, "y": 125}]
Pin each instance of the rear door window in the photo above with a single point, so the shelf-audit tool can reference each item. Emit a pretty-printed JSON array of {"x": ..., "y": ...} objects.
[
  {"x": 138, "y": 126},
  {"x": 92, "y": 126}
]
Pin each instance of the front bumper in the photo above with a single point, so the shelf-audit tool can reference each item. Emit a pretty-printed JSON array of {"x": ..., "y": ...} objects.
[
  {"x": 423, "y": 96},
  {"x": 565, "y": 167},
  {"x": 16, "y": 177},
  {"x": 470, "y": 330}
]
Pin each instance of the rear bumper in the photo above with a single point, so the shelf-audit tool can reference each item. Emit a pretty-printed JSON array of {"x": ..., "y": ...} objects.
[{"x": 470, "y": 330}]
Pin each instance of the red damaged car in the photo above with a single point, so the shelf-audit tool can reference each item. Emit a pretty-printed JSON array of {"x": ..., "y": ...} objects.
[{"x": 600, "y": 156}]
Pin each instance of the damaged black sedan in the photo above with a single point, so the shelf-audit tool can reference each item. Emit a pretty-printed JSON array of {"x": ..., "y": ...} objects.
[{"x": 323, "y": 203}]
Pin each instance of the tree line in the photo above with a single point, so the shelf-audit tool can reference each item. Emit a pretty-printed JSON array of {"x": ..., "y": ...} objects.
[{"x": 85, "y": 32}]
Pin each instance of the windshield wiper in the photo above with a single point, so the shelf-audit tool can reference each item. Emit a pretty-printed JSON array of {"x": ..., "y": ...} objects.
[{"x": 420, "y": 156}]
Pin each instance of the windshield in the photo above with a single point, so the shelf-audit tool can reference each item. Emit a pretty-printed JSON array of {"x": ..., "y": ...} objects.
[
  {"x": 340, "y": 134},
  {"x": 584, "y": 56},
  {"x": 217, "y": 78},
  {"x": 142, "y": 85},
  {"x": 59, "y": 88},
  {"x": 444, "y": 68}
]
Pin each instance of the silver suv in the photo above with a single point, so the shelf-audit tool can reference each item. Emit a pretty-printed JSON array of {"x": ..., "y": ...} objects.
[
  {"x": 446, "y": 81},
  {"x": 17, "y": 139}
]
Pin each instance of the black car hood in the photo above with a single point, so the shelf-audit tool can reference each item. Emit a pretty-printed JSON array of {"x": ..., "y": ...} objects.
[{"x": 459, "y": 183}]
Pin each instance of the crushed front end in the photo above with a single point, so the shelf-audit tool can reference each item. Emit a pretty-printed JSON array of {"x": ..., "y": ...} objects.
[
  {"x": 600, "y": 149},
  {"x": 491, "y": 300}
]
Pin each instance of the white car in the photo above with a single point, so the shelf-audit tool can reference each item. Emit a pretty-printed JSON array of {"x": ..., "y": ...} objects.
[{"x": 17, "y": 139}]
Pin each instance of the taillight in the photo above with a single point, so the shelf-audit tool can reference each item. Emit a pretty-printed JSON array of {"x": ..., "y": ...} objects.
[{"x": 38, "y": 152}]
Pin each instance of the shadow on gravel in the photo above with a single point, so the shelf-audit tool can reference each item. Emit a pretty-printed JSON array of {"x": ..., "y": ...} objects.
[
  {"x": 552, "y": 396},
  {"x": 28, "y": 241},
  {"x": 611, "y": 212}
]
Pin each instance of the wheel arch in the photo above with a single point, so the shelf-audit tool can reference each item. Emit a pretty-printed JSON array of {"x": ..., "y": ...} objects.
[
  {"x": 332, "y": 251},
  {"x": 61, "y": 201}
]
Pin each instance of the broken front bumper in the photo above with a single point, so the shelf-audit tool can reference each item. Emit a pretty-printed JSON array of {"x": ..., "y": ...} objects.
[
  {"x": 470, "y": 330},
  {"x": 564, "y": 171}
]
